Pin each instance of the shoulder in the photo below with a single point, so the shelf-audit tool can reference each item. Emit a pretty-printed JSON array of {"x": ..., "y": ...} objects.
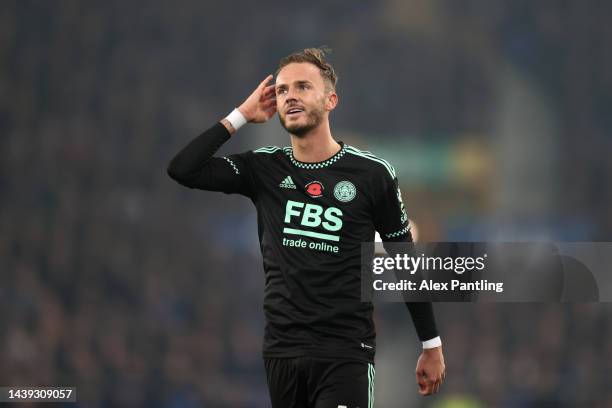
[
  {"x": 377, "y": 165},
  {"x": 268, "y": 150},
  {"x": 266, "y": 153}
]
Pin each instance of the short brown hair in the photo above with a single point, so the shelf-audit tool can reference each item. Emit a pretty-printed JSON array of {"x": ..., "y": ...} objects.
[{"x": 315, "y": 56}]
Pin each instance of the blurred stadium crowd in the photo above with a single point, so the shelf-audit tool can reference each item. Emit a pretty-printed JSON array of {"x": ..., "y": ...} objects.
[{"x": 144, "y": 293}]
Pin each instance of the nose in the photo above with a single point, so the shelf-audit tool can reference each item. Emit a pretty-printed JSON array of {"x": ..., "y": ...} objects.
[
  {"x": 290, "y": 100},
  {"x": 289, "y": 96}
]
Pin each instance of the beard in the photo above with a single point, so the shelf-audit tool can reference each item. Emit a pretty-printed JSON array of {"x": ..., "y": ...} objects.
[{"x": 313, "y": 118}]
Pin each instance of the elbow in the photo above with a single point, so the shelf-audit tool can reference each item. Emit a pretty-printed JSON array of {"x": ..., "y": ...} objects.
[
  {"x": 171, "y": 170},
  {"x": 180, "y": 176},
  {"x": 175, "y": 173}
]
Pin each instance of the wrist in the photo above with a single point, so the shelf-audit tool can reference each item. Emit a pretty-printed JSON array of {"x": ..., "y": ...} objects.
[
  {"x": 244, "y": 114},
  {"x": 228, "y": 126},
  {"x": 432, "y": 343},
  {"x": 236, "y": 119}
]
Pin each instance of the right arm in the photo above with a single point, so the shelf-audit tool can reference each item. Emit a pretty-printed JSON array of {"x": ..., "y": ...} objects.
[{"x": 195, "y": 167}]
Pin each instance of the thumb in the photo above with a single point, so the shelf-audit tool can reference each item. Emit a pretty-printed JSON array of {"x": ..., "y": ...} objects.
[
  {"x": 424, "y": 378},
  {"x": 421, "y": 378},
  {"x": 422, "y": 385}
]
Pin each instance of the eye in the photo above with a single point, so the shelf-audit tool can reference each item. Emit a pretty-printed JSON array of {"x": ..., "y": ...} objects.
[
  {"x": 280, "y": 91},
  {"x": 304, "y": 86}
]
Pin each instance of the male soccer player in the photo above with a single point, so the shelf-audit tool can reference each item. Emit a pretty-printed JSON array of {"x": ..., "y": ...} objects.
[{"x": 317, "y": 201}]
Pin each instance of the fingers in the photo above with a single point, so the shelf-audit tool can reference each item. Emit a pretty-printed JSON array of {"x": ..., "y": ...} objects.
[
  {"x": 268, "y": 92},
  {"x": 268, "y": 97},
  {"x": 423, "y": 383},
  {"x": 263, "y": 101},
  {"x": 265, "y": 81},
  {"x": 438, "y": 382},
  {"x": 263, "y": 92},
  {"x": 429, "y": 386},
  {"x": 422, "y": 387},
  {"x": 425, "y": 389},
  {"x": 270, "y": 112},
  {"x": 269, "y": 89},
  {"x": 268, "y": 104},
  {"x": 436, "y": 387}
]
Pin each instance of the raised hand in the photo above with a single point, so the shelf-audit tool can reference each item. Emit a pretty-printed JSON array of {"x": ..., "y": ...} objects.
[{"x": 261, "y": 104}]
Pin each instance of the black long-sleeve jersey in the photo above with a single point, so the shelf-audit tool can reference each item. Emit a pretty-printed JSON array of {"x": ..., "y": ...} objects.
[{"x": 312, "y": 219}]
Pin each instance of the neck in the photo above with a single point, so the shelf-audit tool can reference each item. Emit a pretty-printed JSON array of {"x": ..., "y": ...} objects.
[{"x": 315, "y": 146}]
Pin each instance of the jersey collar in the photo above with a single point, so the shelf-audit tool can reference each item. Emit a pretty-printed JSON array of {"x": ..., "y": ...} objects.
[{"x": 316, "y": 165}]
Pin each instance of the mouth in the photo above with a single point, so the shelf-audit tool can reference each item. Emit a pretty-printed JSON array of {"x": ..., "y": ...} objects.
[{"x": 293, "y": 112}]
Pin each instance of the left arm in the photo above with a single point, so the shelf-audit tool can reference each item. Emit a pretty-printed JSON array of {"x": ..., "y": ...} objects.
[
  {"x": 391, "y": 221},
  {"x": 430, "y": 370}
]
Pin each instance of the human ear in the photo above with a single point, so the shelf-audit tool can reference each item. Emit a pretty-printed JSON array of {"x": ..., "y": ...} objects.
[{"x": 331, "y": 100}]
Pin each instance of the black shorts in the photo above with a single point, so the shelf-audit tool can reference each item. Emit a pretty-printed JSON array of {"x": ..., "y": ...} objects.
[{"x": 306, "y": 382}]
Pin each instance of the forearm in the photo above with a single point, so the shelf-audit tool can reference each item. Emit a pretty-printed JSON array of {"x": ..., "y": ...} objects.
[
  {"x": 422, "y": 313},
  {"x": 195, "y": 156}
]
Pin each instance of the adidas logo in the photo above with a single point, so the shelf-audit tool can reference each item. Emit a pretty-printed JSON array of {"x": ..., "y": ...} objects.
[{"x": 287, "y": 183}]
